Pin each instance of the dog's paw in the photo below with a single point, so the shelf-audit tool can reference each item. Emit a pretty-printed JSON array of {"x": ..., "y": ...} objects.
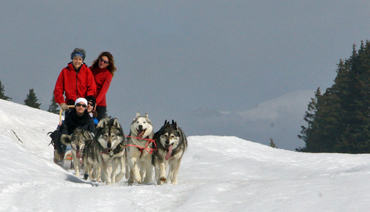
[
  {"x": 138, "y": 180},
  {"x": 119, "y": 176}
]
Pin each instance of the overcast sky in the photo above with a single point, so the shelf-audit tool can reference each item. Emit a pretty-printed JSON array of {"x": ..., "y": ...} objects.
[{"x": 178, "y": 56}]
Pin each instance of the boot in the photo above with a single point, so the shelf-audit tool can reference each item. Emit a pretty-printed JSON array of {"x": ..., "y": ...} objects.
[{"x": 57, "y": 157}]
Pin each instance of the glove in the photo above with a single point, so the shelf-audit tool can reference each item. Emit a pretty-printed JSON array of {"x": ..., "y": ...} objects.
[{"x": 64, "y": 106}]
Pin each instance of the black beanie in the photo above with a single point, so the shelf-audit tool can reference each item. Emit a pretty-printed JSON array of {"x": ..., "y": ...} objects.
[{"x": 91, "y": 99}]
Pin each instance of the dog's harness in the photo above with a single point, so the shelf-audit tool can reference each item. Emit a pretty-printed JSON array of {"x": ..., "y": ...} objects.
[{"x": 140, "y": 148}]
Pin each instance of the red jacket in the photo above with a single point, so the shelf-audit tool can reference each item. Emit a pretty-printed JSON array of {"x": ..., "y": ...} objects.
[
  {"x": 74, "y": 85},
  {"x": 103, "y": 79}
]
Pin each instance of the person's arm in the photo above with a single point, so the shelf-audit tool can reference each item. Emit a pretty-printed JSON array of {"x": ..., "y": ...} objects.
[
  {"x": 104, "y": 88},
  {"x": 91, "y": 126},
  {"x": 91, "y": 89},
  {"x": 59, "y": 89}
]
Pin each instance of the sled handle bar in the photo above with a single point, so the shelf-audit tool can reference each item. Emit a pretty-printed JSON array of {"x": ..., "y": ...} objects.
[{"x": 60, "y": 113}]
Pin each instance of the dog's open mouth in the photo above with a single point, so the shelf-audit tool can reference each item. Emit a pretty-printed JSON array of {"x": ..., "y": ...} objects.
[
  {"x": 140, "y": 133},
  {"x": 169, "y": 151},
  {"x": 106, "y": 151},
  {"x": 78, "y": 154}
]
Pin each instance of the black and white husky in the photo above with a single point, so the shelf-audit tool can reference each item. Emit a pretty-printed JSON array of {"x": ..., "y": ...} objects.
[
  {"x": 171, "y": 143},
  {"x": 77, "y": 140},
  {"x": 106, "y": 151},
  {"x": 139, "y": 150}
]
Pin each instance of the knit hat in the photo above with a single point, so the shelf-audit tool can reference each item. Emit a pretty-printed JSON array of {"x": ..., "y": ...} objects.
[
  {"x": 81, "y": 100},
  {"x": 78, "y": 52},
  {"x": 91, "y": 99}
]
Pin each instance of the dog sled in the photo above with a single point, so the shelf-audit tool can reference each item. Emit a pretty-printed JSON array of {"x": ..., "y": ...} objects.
[{"x": 66, "y": 162}]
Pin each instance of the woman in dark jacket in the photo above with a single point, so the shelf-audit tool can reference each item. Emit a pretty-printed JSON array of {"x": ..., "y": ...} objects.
[{"x": 77, "y": 117}]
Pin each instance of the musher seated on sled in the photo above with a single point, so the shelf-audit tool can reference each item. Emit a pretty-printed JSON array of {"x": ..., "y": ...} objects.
[{"x": 77, "y": 117}]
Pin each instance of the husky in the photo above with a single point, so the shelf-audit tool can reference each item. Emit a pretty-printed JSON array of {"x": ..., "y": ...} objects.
[
  {"x": 106, "y": 151},
  {"x": 77, "y": 140},
  {"x": 139, "y": 150},
  {"x": 171, "y": 143}
]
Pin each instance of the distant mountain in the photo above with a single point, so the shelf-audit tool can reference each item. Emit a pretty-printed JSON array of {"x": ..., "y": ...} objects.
[{"x": 280, "y": 119}]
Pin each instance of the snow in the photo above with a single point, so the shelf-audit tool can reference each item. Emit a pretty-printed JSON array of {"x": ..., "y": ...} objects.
[{"x": 218, "y": 173}]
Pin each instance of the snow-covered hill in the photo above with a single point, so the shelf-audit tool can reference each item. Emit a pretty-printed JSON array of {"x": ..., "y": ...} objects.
[{"x": 218, "y": 173}]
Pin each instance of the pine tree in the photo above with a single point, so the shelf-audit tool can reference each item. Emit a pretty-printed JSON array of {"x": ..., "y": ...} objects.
[
  {"x": 339, "y": 120},
  {"x": 272, "y": 144},
  {"x": 307, "y": 133},
  {"x": 32, "y": 100},
  {"x": 53, "y": 106},
  {"x": 354, "y": 97},
  {"x": 2, "y": 95}
]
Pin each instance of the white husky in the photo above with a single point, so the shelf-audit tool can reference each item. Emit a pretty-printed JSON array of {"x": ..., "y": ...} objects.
[{"x": 140, "y": 149}]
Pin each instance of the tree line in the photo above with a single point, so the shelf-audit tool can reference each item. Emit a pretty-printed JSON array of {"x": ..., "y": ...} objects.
[
  {"x": 338, "y": 120},
  {"x": 31, "y": 100}
]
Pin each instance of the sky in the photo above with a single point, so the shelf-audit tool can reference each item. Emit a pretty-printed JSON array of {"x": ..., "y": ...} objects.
[
  {"x": 217, "y": 173},
  {"x": 176, "y": 59}
]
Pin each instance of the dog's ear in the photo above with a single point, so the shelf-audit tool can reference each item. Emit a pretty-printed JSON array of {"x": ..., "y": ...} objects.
[
  {"x": 146, "y": 115},
  {"x": 102, "y": 123},
  {"x": 167, "y": 124},
  {"x": 174, "y": 124},
  {"x": 65, "y": 139},
  {"x": 116, "y": 123},
  {"x": 137, "y": 114}
]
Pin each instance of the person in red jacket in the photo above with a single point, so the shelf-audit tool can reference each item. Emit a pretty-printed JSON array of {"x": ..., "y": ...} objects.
[
  {"x": 103, "y": 70},
  {"x": 74, "y": 81}
]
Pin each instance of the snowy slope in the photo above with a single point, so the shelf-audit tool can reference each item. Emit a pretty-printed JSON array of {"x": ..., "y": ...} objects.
[{"x": 217, "y": 174}]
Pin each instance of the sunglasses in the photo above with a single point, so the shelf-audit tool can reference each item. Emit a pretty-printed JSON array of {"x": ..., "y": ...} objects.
[
  {"x": 91, "y": 104},
  {"x": 103, "y": 61},
  {"x": 79, "y": 105}
]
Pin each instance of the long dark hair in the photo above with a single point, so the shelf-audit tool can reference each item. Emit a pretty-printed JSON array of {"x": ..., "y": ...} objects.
[{"x": 111, "y": 68}]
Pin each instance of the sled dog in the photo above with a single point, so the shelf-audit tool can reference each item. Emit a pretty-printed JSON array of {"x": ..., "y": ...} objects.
[
  {"x": 139, "y": 150},
  {"x": 107, "y": 151},
  {"x": 171, "y": 143},
  {"x": 77, "y": 140}
]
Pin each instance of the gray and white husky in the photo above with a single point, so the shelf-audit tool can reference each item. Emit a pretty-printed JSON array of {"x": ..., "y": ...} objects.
[
  {"x": 139, "y": 150},
  {"x": 77, "y": 140},
  {"x": 171, "y": 143},
  {"x": 107, "y": 151}
]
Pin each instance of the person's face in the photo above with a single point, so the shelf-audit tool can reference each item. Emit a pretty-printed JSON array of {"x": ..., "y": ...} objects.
[
  {"x": 77, "y": 62},
  {"x": 90, "y": 107},
  {"x": 80, "y": 108},
  {"x": 103, "y": 62}
]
